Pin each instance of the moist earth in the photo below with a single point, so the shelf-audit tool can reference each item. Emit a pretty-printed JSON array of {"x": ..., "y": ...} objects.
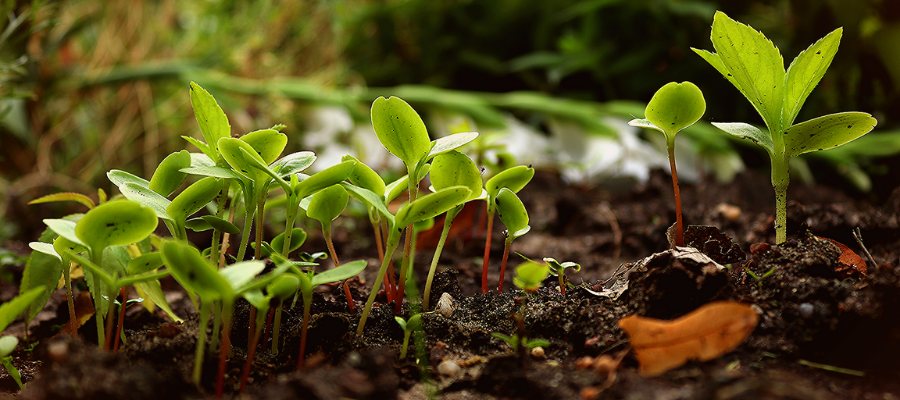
[{"x": 826, "y": 330}]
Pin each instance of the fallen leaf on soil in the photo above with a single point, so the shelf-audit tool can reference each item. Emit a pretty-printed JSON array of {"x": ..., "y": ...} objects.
[
  {"x": 851, "y": 262},
  {"x": 704, "y": 334}
]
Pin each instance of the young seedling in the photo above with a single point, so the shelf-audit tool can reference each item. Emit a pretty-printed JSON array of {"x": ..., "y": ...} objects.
[
  {"x": 8, "y": 312},
  {"x": 451, "y": 169},
  {"x": 326, "y": 205},
  {"x": 559, "y": 269},
  {"x": 282, "y": 286},
  {"x": 366, "y": 178},
  {"x": 425, "y": 207},
  {"x": 673, "y": 107},
  {"x": 402, "y": 132},
  {"x": 308, "y": 281},
  {"x": 281, "y": 289},
  {"x": 64, "y": 268},
  {"x": 747, "y": 59},
  {"x": 514, "y": 215},
  {"x": 529, "y": 277},
  {"x": 514, "y": 179},
  {"x": 414, "y": 323}
]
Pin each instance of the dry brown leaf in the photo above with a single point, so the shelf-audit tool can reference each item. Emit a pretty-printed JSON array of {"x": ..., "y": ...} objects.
[
  {"x": 704, "y": 334},
  {"x": 851, "y": 263},
  {"x": 84, "y": 310}
]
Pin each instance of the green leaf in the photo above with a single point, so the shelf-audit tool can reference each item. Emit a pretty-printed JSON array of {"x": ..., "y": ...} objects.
[
  {"x": 298, "y": 237},
  {"x": 45, "y": 248},
  {"x": 115, "y": 223},
  {"x": 43, "y": 269},
  {"x": 294, "y": 163},
  {"x": 324, "y": 178},
  {"x": 144, "y": 263},
  {"x": 239, "y": 274},
  {"x": 327, "y": 204},
  {"x": 365, "y": 177},
  {"x": 197, "y": 225},
  {"x": 432, "y": 205},
  {"x": 754, "y": 65},
  {"x": 221, "y": 225},
  {"x": 747, "y": 131},
  {"x": 194, "y": 272},
  {"x": 8, "y": 344},
  {"x": 396, "y": 188},
  {"x": 148, "y": 198},
  {"x": 207, "y": 150},
  {"x": 284, "y": 286},
  {"x": 806, "y": 71},
  {"x": 675, "y": 106},
  {"x": 400, "y": 130},
  {"x": 369, "y": 198},
  {"x": 154, "y": 292},
  {"x": 11, "y": 309},
  {"x": 268, "y": 143},
  {"x": 168, "y": 175},
  {"x": 212, "y": 120},
  {"x": 345, "y": 271},
  {"x": 230, "y": 148},
  {"x": 194, "y": 198},
  {"x": 456, "y": 169},
  {"x": 64, "y": 228},
  {"x": 451, "y": 142},
  {"x": 119, "y": 178},
  {"x": 143, "y": 277},
  {"x": 512, "y": 213},
  {"x": 514, "y": 178},
  {"x": 256, "y": 299},
  {"x": 530, "y": 275},
  {"x": 826, "y": 132},
  {"x": 66, "y": 196}
]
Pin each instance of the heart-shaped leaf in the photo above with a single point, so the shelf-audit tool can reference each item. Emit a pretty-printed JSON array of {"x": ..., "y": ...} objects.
[
  {"x": 268, "y": 143},
  {"x": 168, "y": 175},
  {"x": 327, "y": 204},
  {"x": 675, "y": 106},
  {"x": 826, "y": 132},
  {"x": 115, "y": 223},
  {"x": 456, "y": 169},
  {"x": 400, "y": 130}
]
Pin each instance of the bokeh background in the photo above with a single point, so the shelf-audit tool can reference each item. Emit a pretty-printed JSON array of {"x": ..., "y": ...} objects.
[{"x": 87, "y": 86}]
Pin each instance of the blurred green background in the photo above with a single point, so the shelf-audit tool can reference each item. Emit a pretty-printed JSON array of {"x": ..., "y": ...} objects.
[{"x": 86, "y": 86}]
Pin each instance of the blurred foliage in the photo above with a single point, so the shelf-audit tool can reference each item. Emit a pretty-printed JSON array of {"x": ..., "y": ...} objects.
[{"x": 86, "y": 86}]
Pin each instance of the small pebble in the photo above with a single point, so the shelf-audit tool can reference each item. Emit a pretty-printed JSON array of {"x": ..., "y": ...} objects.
[
  {"x": 538, "y": 352},
  {"x": 729, "y": 211},
  {"x": 806, "y": 310},
  {"x": 449, "y": 368},
  {"x": 446, "y": 305}
]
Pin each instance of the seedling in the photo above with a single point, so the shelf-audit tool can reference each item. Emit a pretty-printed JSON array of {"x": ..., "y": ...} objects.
[
  {"x": 517, "y": 342},
  {"x": 308, "y": 281},
  {"x": 529, "y": 277},
  {"x": 282, "y": 287},
  {"x": 672, "y": 108},
  {"x": 8, "y": 313},
  {"x": 514, "y": 215},
  {"x": 513, "y": 179},
  {"x": 559, "y": 269},
  {"x": 414, "y": 323},
  {"x": 451, "y": 169},
  {"x": 747, "y": 59},
  {"x": 402, "y": 132}
]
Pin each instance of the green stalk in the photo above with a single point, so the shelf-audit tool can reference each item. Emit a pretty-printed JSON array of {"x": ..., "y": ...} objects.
[
  {"x": 448, "y": 220},
  {"x": 307, "y": 304},
  {"x": 276, "y": 328},
  {"x": 260, "y": 214},
  {"x": 679, "y": 231},
  {"x": 98, "y": 316},
  {"x": 220, "y": 212},
  {"x": 392, "y": 243},
  {"x": 110, "y": 317},
  {"x": 201, "y": 341},
  {"x": 68, "y": 277},
  {"x": 291, "y": 216},
  {"x": 245, "y": 235},
  {"x": 413, "y": 195},
  {"x": 217, "y": 326}
]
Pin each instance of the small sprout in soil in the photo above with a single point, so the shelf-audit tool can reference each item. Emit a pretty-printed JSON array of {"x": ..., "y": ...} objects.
[
  {"x": 414, "y": 323},
  {"x": 559, "y": 269},
  {"x": 673, "y": 107},
  {"x": 514, "y": 215},
  {"x": 747, "y": 59},
  {"x": 513, "y": 179},
  {"x": 8, "y": 312},
  {"x": 530, "y": 275},
  {"x": 517, "y": 342}
]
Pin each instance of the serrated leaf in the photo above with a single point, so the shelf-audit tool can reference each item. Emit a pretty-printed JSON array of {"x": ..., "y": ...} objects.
[
  {"x": 754, "y": 63},
  {"x": 345, "y": 271},
  {"x": 456, "y": 169},
  {"x": 327, "y": 204},
  {"x": 747, "y": 131},
  {"x": 451, "y": 142},
  {"x": 210, "y": 117},
  {"x": 194, "y": 198},
  {"x": 675, "y": 106},
  {"x": 826, "y": 132},
  {"x": 43, "y": 269},
  {"x": 806, "y": 71},
  {"x": 65, "y": 196},
  {"x": 400, "y": 130},
  {"x": 432, "y": 205},
  {"x": 168, "y": 176}
]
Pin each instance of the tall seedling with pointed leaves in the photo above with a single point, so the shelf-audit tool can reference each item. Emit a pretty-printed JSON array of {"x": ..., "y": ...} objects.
[
  {"x": 402, "y": 132},
  {"x": 747, "y": 59},
  {"x": 673, "y": 107}
]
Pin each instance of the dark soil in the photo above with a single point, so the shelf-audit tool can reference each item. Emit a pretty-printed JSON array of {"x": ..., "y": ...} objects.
[{"x": 815, "y": 312}]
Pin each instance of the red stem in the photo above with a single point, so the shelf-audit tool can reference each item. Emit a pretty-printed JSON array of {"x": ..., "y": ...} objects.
[
  {"x": 503, "y": 264},
  {"x": 401, "y": 286},
  {"x": 251, "y": 352},
  {"x": 679, "y": 232},
  {"x": 303, "y": 330},
  {"x": 223, "y": 357},
  {"x": 350, "y": 303},
  {"x": 487, "y": 252},
  {"x": 124, "y": 294},
  {"x": 268, "y": 328}
]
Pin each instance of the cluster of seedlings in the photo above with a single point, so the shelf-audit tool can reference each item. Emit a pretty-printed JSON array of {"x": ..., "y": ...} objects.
[{"x": 115, "y": 245}]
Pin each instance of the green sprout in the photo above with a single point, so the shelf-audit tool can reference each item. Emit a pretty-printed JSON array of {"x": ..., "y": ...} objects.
[
  {"x": 451, "y": 169},
  {"x": 559, "y": 269},
  {"x": 673, "y": 107},
  {"x": 514, "y": 215},
  {"x": 414, "y": 323},
  {"x": 747, "y": 59},
  {"x": 513, "y": 179},
  {"x": 325, "y": 206},
  {"x": 8, "y": 312},
  {"x": 517, "y": 342}
]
